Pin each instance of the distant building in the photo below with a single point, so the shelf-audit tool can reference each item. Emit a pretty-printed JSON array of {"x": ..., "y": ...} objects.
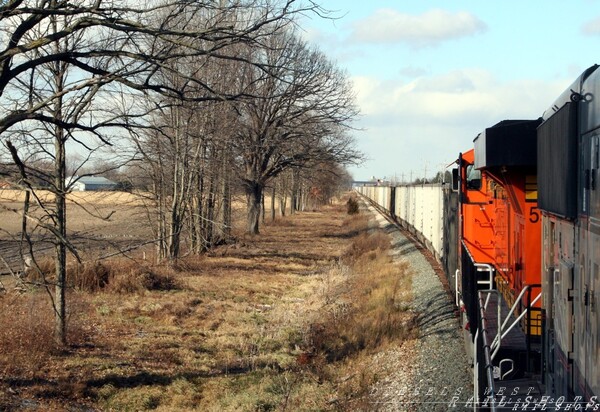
[
  {"x": 359, "y": 183},
  {"x": 90, "y": 183},
  {"x": 372, "y": 182}
]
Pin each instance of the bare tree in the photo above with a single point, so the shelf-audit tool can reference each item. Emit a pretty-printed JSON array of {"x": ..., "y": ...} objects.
[
  {"x": 302, "y": 114},
  {"x": 97, "y": 50},
  {"x": 187, "y": 152}
]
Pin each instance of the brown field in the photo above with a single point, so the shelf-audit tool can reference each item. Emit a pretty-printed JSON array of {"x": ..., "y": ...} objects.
[
  {"x": 289, "y": 320},
  {"x": 99, "y": 223}
]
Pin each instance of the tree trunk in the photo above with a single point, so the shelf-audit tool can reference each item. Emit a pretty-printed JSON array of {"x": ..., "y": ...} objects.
[
  {"x": 282, "y": 203},
  {"x": 60, "y": 203},
  {"x": 210, "y": 213},
  {"x": 161, "y": 221},
  {"x": 295, "y": 189},
  {"x": 226, "y": 206},
  {"x": 262, "y": 206},
  {"x": 199, "y": 213},
  {"x": 60, "y": 258},
  {"x": 180, "y": 183},
  {"x": 273, "y": 203},
  {"x": 176, "y": 221},
  {"x": 253, "y": 197},
  {"x": 175, "y": 232}
]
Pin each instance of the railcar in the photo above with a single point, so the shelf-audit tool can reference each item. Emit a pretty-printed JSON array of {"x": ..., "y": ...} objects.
[{"x": 419, "y": 209}]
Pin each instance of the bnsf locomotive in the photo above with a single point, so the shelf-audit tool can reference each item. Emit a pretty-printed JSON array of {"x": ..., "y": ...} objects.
[{"x": 518, "y": 233}]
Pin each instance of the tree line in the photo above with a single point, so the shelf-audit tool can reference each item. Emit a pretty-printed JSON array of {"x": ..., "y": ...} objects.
[{"x": 201, "y": 98}]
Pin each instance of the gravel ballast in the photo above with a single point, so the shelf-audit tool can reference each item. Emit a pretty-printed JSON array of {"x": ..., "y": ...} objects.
[{"x": 433, "y": 372}]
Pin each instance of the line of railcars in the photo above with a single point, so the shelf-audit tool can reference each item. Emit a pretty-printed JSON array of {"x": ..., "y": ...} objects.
[{"x": 518, "y": 234}]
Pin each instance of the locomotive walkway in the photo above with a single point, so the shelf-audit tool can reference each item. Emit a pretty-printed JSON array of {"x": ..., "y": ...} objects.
[{"x": 433, "y": 373}]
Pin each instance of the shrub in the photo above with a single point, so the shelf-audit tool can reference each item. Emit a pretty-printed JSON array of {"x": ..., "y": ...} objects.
[
  {"x": 137, "y": 279},
  {"x": 352, "y": 206},
  {"x": 43, "y": 271},
  {"x": 90, "y": 276},
  {"x": 118, "y": 275}
]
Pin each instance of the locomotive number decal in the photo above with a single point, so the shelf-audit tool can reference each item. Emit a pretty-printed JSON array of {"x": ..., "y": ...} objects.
[{"x": 534, "y": 215}]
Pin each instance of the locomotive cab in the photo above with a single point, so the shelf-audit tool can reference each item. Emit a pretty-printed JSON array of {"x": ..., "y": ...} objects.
[{"x": 500, "y": 249}]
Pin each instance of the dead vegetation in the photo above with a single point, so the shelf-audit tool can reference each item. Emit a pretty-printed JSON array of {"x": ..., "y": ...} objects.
[
  {"x": 286, "y": 321},
  {"x": 118, "y": 275}
]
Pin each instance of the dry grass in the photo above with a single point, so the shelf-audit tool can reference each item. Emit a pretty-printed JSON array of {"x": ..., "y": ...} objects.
[
  {"x": 27, "y": 348},
  {"x": 116, "y": 275},
  {"x": 26, "y": 338},
  {"x": 368, "y": 312},
  {"x": 366, "y": 246},
  {"x": 281, "y": 321},
  {"x": 365, "y": 311}
]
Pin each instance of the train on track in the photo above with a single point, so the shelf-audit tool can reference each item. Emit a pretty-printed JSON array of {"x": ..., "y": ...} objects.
[{"x": 517, "y": 232}]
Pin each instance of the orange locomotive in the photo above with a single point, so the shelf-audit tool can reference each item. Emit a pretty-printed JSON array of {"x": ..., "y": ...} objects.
[
  {"x": 500, "y": 234},
  {"x": 490, "y": 241}
]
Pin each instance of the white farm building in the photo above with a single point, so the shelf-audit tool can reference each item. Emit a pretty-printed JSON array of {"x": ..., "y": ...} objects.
[{"x": 90, "y": 183}]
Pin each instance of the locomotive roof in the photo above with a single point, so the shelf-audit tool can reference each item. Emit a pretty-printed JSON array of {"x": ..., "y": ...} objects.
[{"x": 507, "y": 143}]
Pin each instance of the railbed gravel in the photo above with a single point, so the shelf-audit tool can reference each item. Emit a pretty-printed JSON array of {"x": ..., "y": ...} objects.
[{"x": 432, "y": 372}]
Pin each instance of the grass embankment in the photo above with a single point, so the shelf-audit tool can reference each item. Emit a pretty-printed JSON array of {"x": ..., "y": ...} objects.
[{"x": 289, "y": 320}]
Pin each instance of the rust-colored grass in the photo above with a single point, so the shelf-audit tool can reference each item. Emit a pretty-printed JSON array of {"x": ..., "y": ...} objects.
[{"x": 287, "y": 321}]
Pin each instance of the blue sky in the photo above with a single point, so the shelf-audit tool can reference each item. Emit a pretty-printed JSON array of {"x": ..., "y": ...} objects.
[{"x": 430, "y": 75}]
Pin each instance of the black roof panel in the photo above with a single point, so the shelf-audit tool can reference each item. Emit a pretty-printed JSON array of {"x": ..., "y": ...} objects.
[{"x": 508, "y": 143}]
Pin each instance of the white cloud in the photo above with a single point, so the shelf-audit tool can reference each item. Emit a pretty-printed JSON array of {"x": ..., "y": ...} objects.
[
  {"x": 425, "y": 122},
  {"x": 427, "y": 29},
  {"x": 592, "y": 27},
  {"x": 413, "y": 71},
  {"x": 315, "y": 36},
  {"x": 453, "y": 82},
  {"x": 456, "y": 96}
]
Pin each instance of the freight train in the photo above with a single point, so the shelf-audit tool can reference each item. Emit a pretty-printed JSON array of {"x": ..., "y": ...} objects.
[{"x": 518, "y": 234}]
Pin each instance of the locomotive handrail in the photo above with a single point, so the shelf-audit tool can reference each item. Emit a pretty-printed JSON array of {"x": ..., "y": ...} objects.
[
  {"x": 496, "y": 342},
  {"x": 456, "y": 291},
  {"x": 538, "y": 297},
  {"x": 489, "y": 367},
  {"x": 529, "y": 312},
  {"x": 514, "y": 306},
  {"x": 499, "y": 313},
  {"x": 512, "y": 367},
  {"x": 490, "y": 269},
  {"x": 475, "y": 371}
]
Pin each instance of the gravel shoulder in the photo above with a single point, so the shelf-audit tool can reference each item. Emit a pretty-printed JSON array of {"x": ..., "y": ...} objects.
[{"x": 432, "y": 372}]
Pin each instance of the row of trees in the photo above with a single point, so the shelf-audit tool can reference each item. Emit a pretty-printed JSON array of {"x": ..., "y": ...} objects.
[{"x": 201, "y": 97}]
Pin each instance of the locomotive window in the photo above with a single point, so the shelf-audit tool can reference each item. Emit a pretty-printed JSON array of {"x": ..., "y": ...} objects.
[
  {"x": 455, "y": 179},
  {"x": 473, "y": 178}
]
